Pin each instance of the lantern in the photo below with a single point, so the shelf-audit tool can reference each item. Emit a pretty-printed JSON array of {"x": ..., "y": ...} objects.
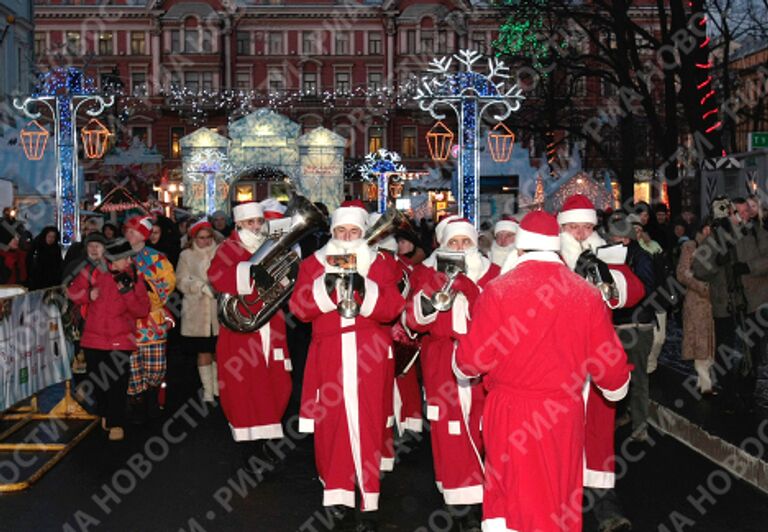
[
  {"x": 34, "y": 138},
  {"x": 500, "y": 141},
  {"x": 439, "y": 142},
  {"x": 95, "y": 137}
]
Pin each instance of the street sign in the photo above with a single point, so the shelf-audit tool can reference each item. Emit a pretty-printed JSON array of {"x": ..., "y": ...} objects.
[{"x": 757, "y": 140}]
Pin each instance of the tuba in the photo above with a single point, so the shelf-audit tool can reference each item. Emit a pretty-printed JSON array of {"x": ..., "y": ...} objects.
[
  {"x": 390, "y": 222},
  {"x": 452, "y": 264},
  {"x": 277, "y": 267}
]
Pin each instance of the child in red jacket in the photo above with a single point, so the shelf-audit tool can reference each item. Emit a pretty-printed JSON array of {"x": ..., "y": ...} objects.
[{"x": 116, "y": 297}]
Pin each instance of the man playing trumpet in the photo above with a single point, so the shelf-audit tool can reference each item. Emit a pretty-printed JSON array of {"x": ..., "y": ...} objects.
[
  {"x": 349, "y": 293},
  {"x": 441, "y": 307}
]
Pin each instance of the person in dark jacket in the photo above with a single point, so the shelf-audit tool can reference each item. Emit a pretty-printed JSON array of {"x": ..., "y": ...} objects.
[
  {"x": 45, "y": 260},
  {"x": 115, "y": 297},
  {"x": 169, "y": 241},
  {"x": 635, "y": 325}
]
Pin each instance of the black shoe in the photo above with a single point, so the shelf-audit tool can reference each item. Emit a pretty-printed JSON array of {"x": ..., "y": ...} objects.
[
  {"x": 367, "y": 522},
  {"x": 136, "y": 412},
  {"x": 470, "y": 522},
  {"x": 343, "y": 519},
  {"x": 616, "y": 524}
]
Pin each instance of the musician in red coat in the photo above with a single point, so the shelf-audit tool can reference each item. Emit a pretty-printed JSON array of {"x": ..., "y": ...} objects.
[
  {"x": 536, "y": 354},
  {"x": 254, "y": 378},
  {"x": 345, "y": 376},
  {"x": 578, "y": 238},
  {"x": 454, "y": 407}
]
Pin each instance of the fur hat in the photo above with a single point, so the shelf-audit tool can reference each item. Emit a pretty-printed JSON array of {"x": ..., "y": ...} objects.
[
  {"x": 350, "y": 213},
  {"x": 247, "y": 211},
  {"x": 118, "y": 249}
]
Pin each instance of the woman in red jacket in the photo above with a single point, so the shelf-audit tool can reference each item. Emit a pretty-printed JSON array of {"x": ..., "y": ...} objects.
[{"x": 116, "y": 297}]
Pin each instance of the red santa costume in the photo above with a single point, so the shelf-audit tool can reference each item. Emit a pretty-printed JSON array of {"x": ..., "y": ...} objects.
[
  {"x": 255, "y": 383},
  {"x": 536, "y": 354},
  {"x": 499, "y": 253},
  {"x": 344, "y": 388},
  {"x": 454, "y": 407},
  {"x": 599, "y": 463}
]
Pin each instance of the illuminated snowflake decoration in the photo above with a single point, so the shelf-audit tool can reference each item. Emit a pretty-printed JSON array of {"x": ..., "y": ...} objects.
[{"x": 380, "y": 162}]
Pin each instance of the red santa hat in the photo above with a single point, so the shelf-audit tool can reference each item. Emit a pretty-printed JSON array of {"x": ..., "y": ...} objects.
[
  {"x": 442, "y": 223},
  {"x": 246, "y": 211},
  {"x": 577, "y": 209},
  {"x": 507, "y": 223},
  {"x": 140, "y": 224},
  {"x": 350, "y": 213},
  {"x": 199, "y": 226},
  {"x": 458, "y": 227},
  {"x": 539, "y": 231},
  {"x": 273, "y": 209}
]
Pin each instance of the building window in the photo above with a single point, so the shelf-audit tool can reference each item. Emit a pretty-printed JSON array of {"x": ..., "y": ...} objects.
[
  {"x": 375, "y": 138},
  {"x": 442, "y": 42},
  {"x": 342, "y": 43},
  {"x": 342, "y": 82},
  {"x": 375, "y": 80},
  {"x": 345, "y": 131},
  {"x": 276, "y": 80},
  {"x": 138, "y": 44},
  {"x": 192, "y": 81},
  {"x": 478, "y": 41},
  {"x": 308, "y": 42},
  {"x": 309, "y": 83},
  {"x": 243, "y": 80},
  {"x": 409, "y": 141},
  {"x": 207, "y": 78},
  {"x": 243, "y": 43},
  {"x": 105, "y": 43},
  {"x": 580, "y": 86},
  {"x": 139, "y": 83},
  {"x": 410, "y": 42},
  {"x": 275, "y": 43},
  {"x": 40, "y": 47},
  {"x": 176, "y": 134},
  {"x": 175, "y": 41},
  {"x": 427, "y": 42},
  {"x": 374, "y": 43},
  {"x": 207, "y": 41},
  {"x": 191, "y": 41},
  {"x": 176, "y": 83},
  {"x": 609, "y": 89},
  {"x": 141, "y": 133},
  {"x": 73, "y": 42}
]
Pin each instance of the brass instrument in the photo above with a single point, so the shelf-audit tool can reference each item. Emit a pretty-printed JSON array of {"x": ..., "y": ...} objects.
[
  {"x": 451, "y": 263},
  {"x": 276, "y": 268}
]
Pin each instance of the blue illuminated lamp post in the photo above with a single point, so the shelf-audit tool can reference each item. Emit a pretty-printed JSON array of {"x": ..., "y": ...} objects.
[
  {"x": 64, "y": 91},
  {"x": 384, "y": 164},
  {"x": 469, "y": 94}
]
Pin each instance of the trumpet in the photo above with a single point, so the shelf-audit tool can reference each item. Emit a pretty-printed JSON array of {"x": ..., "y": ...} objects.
[
  {"x": 347, "y": 265},
  {"x": 452, "y": 264}
]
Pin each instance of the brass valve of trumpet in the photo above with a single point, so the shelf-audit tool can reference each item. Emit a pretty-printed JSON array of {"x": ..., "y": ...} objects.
[{"x": 451, "y": 264}]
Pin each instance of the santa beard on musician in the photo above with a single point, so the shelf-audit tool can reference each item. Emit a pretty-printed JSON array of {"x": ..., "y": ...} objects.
[
  {"x": 252, "y": 233},
  {"x": 575, "y": 238}
]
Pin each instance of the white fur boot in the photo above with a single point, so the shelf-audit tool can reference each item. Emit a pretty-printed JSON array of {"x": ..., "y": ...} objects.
[
  {"x": 705, "y": 378},
  {"x": 207, "y": 378}
]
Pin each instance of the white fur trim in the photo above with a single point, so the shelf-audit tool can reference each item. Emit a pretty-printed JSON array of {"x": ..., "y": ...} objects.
[
  {"x": 457, "y": 371},
  {"x": 322, "y": 299},
  {"x": 441, "y": 226},
  {"x": 458, "y": 228},
  {"x": 306, "y": 425},
  {"x": 390, "y": 421},
  {"x": 288, "y": 364},
  {"x": 257, "y": 432},
  {"x": 246, "y": 211},
  {"x": 339, "y": 498},
  {"x": 539, "y": 256},
  {"x": 371, "y": 297},
  {"x": 454, "y": 428},
  {"x": 621, "y": 287},
  {"x": 243, "y": 276},
  {"x": 349, "y": 216},
  {"x": 577, "y": 216},
  {"x": 387, "y": 464},
  {"x": 421, "y": 319},
  {"x": 465, "y": 495},
  {"x": 414, "y": 424},
  {"x": 527, "y": 240},
  {"x": 598, "y": 479},
  {"x": 433, "y": 412},
  {"x": 279, "y": 354},
  {"x": 460, "y": 314},
  {"x": 497, "y": 524},
  {"x": 505, "y": 225},
  {"x": 618, "y": 394},
  {"x": 370, "y": 502}
]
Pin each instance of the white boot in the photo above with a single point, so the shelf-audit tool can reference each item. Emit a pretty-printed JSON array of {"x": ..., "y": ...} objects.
[
  {"x": 206, "y": 377},
  {"x": 702, "y": 370},
  {"x": 215, "y": 378}
]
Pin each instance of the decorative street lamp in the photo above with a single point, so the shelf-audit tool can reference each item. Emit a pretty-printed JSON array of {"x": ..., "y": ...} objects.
[
  {"x": 500, "y": 141},
  {"x": 63, "y": 91},
  {"x": 384, "y": 164},
  {"x": 95, "y": 139},
  {"x": 440, "y": 141},
  {"x": 34, "y": 139},
  {"x": 469, "y": 94}
]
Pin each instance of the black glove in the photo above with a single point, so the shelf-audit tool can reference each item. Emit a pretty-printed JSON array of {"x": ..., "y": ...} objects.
[
  {"x": 125, "y": 281},
  {"x": 330, "y": 282},
  {"x": 588, "y": 262},
  {"x": 426, "y": 306},
  {"x": 260, "y": 276},
  {"x": 741, "y": 268}
]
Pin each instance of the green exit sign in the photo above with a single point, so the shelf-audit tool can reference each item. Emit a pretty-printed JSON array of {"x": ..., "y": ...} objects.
[{"x": 758, "y": 140}]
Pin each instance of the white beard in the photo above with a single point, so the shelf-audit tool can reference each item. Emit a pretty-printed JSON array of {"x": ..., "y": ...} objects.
[
  {"x": 364, "y": 255},
  {"x": 250, "y": 240},
  {"x": 500, "y": 253},
  {"x": 570, "y": 248},
  {"x": 477, "y": 264}
]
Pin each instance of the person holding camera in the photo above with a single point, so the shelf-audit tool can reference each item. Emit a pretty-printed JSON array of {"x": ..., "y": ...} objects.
[
  {"x": 116, "y": 297},
  {"x": 733, "y": 259}
]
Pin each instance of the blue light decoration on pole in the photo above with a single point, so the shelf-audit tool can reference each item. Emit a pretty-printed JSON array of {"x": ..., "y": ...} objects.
[
  {"x": 381, "y": 164},
  {"x": 469, "y": 94},
  {"x": 64, "y": 91},
  {"x": 209, "y": 165}
]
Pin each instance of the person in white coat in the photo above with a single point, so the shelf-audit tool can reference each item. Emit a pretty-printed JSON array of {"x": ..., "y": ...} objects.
[{"x": 199, "y": 324}]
